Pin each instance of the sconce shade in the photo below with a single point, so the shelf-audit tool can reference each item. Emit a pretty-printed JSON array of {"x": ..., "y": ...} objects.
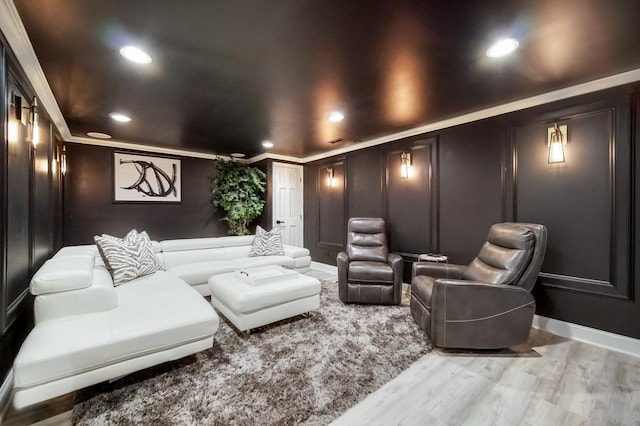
[
  {"x": 405, "y": 165},
  {"x": 63, "y": 161},
  {"x": 556, "y": 146},
  {"x": 330, "y": 177},
  {"x": 34, "y": 128}
]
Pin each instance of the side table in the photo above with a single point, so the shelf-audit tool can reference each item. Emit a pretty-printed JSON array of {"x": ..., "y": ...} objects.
[{"x": 433, "y": 257}]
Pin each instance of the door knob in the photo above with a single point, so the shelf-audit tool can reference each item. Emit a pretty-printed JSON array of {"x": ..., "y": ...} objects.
[{"x": 278, "y": 222}]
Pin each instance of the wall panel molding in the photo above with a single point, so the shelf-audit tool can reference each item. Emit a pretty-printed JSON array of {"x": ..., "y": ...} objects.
[
  {"x": 331, "y": 205},
  {"x": 414, "y": 230},
  {"x": 590, "y": 192}
]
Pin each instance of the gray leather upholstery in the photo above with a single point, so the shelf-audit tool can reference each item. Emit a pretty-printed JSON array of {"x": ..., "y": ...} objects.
[
  {"x": 367, "y": 272},
  {"x": 487, "y": 304}
]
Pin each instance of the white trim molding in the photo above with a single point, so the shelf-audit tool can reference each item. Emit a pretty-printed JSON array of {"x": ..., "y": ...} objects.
[
  {"x": 16, "y": 35},
  {"x": 110, "y": 143},
  {"x": 604, "y": 339}
]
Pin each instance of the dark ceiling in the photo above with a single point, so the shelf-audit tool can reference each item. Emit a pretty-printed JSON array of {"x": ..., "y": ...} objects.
[{"x": 228, "y": 74}]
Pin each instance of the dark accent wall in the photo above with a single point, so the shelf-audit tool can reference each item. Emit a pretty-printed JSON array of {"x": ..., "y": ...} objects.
[
  {"x": 30, "y": 198},
  {"x": 89, "y": 208},
  {"x": 496, "y": 170}
]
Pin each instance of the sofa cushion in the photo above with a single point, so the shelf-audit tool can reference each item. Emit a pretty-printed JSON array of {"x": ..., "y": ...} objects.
[
  {"x": 100, "y": 296},
  {"x": 190, "y": 244},
  {"x": 63, "y": 273},
  {"x": 267, "y": 243},
  {"x": 253, "y": 262},
  {"x": 128, "y": 258},
  {"x": 294, "y": 252},
  {"x": 159, "y": 312},
  {"x": 236, "y": 240},
  {"x": 199, "y": 273}
]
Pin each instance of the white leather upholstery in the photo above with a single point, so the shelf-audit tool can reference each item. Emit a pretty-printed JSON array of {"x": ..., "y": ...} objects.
[
  {"x": 190, "y": 244},
  {"x": 252, "y": 262},
  {"x": 63, "y": 273},
  {"x": 198, "y": 273},
  {"x": 88, "y": 331},
  {"x": 140, "y": 325},
  {"x": 248, "y": 306},
  {"x": 101, "y": 296},
  {"x": 197, "y": 259}
]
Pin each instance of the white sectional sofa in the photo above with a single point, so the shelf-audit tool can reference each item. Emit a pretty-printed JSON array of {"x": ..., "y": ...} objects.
[
  {"x": 88, "y": 331},
  {"x": 195, "y": 260}
]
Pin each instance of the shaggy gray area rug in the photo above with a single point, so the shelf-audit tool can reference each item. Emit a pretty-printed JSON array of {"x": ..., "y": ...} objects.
[{"x": 297, "y": 371}]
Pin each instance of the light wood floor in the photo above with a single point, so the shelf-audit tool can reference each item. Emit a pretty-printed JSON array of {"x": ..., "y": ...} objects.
[{"x": 548, "y": 381}]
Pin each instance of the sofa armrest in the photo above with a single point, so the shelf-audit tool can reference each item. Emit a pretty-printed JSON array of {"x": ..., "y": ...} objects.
[
  {"x": 100, "y": 296},
  {"x": 342, "y": 262},
  {"x": 63, "y": 273},
  {"x": 295, "y": 252},
  {"x": 479, "y": 315},
  {"x": 437, "y": 270}
]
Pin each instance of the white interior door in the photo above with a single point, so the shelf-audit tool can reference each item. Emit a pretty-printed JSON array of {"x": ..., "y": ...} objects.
[{"x": 287, "y": 202}]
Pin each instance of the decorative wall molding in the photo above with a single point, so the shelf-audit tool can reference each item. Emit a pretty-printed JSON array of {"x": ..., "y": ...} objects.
[
  {"x": 613, "y": 115},
  {"x": 325, "y": 194},
  {"x": 16, "y": 35},
  {"x": 604, "y": 339}
]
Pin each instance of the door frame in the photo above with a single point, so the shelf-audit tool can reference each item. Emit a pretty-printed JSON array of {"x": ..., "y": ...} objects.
[{"x": 275, "y": 165}]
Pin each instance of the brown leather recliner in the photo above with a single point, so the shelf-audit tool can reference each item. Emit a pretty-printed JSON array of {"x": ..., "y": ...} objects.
[
  {"x": 488, "y": 304},
  {"x": 367, "y": 272}
]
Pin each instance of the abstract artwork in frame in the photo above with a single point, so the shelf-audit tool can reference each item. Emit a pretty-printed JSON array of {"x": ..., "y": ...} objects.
[{"x": 144, "y": 178}]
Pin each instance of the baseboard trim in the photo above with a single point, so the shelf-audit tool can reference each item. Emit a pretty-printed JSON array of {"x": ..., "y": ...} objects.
[
  {"x": 604, "y": 339},
  {"x": 324, "y": 267},
  {"x": 5, "y": 395}
]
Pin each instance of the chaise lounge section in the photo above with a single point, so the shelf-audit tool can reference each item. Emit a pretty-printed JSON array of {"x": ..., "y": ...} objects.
[{"x": 88, "y": 330}]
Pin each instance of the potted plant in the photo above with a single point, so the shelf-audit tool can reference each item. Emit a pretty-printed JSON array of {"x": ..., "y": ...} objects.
[{"x": 237, "y": 189}]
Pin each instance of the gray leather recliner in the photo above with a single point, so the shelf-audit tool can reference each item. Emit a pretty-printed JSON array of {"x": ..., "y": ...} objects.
[
  {"x": 367, "y": 272},
  {"x": 487, "y": 304}
]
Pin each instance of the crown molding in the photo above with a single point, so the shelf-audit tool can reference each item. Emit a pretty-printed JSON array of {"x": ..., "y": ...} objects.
[
  {"x": 533, "y": 101},
  {"x": 16, "y": 35},
  {"x": 111, "y": 143},
  {"x": 271, "y": 156}
]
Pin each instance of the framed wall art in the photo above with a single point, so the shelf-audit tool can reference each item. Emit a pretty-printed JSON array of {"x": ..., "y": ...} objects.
[{"x": 144, "y": 178}]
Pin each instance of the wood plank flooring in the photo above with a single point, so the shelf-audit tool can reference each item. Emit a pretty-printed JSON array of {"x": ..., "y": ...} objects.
[{"x": 548, "y": 381}]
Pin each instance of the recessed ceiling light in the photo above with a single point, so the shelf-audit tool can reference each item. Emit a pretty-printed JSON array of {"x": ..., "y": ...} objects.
[
  {"x": 237, "y": 155},
  {"x": 98, "y": 135},
  {"x": 120, "y": 117},
  {"x": 336, "y": 117},
  {"x": 502, "y": 47},
  {"x": 267, "y": 144},
  {"x": 135, "y": 54}
]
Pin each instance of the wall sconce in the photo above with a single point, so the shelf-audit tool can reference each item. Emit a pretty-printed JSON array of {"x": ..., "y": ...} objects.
[
  {"x": 405, "y": 165},
  {"x": 331, "y": 180},
  {"x": 34, "y": 128},
  {"x": 63, "y": 160},
  {"x": 15, "y": 115},
  {"x": 557, "y": 137}
]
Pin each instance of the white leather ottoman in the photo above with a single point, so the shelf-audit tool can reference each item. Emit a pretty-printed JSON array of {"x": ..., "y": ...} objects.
[{"x": 249, "y": 306}]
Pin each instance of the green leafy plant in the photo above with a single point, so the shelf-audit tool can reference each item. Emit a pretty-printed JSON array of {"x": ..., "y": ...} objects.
[{"x": 237, "y": 189}]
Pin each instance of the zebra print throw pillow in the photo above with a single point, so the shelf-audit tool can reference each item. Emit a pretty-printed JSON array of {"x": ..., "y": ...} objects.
[
  {"x": 267, "y": 243},
  {"x": 129, "y": 257}
]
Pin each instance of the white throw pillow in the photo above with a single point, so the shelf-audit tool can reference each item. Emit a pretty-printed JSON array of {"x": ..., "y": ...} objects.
[
  {"x": 267, "y": 243},
  {"x": 127, "y": 258}
]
